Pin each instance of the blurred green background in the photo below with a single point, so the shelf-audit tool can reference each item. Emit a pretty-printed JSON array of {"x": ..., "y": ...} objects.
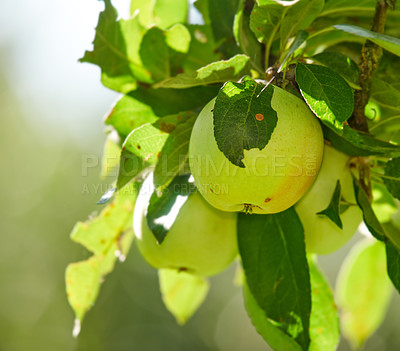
[{"x": 51, "y": 110}]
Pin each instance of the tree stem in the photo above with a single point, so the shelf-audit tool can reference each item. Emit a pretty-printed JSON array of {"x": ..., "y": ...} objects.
[{"x": 370, "y": 57}]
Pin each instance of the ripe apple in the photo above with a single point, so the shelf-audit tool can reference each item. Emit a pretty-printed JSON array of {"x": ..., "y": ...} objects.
[
  {"x": 275, "y": 177},
  {"x": 202, "y": 239},
  {"x": 321, "y": 234}
]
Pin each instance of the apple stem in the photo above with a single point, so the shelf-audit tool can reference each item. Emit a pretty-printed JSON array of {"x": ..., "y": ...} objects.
[{"x": 370, "y": 58}]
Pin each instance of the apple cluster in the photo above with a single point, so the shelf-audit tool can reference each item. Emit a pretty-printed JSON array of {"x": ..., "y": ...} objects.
[{"x": 294, "y": 168}]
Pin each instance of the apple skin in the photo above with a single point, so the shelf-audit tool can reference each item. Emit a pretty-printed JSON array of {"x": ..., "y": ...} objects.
[
  {"x": 201, "y": 241},
  {"x": 321, "y": 234},
  {"x": 275, "y": 177}
]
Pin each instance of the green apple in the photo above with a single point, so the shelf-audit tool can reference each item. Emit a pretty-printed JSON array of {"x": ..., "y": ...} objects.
[
  {"x": 201, "y": 240},
  {"x": 321, "y": 234},
  {"x": 275, "y": 177}
]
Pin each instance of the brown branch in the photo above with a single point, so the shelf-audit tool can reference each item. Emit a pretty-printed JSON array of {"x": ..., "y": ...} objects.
[{"x": 370, "y": 57}]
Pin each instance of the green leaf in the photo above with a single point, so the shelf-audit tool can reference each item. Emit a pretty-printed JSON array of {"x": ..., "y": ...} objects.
[
  {"x": 273, "y": 256},
  {"x": 216, "y": 72},
  {"x": 164, "y": 208},
  {"x": 161, "y": 13},
  {"x": 116, "y": 51},
  {"x": 387, "y": 42},
  {"x": 128, "y": 114},
  {"x": 266, "y": 18},
  {"x": 329, "y": 38},
  {"x": 108, "y": 236},
  {"x": 142, "y": 148},
  {"x": 333, "y": 209},
  {"x": 160, "y": 102},
  {"x": 182, "y": 292},
  {"x": 369, "y": 216},
  {"x": 392, "y": 177},
  {"x": 147, "y": 105},
  {"x": 326, "y": 93},
  {"x": 385, "y": 94},
  {"x": 110, "y": 161},
  {"x": 236, "y": 125},
  {"x": 162, "y": 52},
  {"x": 324, "y": 320},
  {"x": 301, "y": 37},
  {"x": 298, "y": 17},
  {"x": 355, "y": 143},
  {"x": 203, "y": 8},
  {"x": 276, "y": 338},
  {"x": 222, "y": 15},
  {"x": 178, "y": 38},
  {"x": 340, "y": 7},
  {"x": 383, "y": 203},
  {"x": 130, "y": 166},
  {"x": 339, "y": 63},
  {"x": 393, "y": 264},
  {"x": 154, "y": 53},
  {"x": 202, "y": 50},
  {"x": 245, "y": 38},
  {"x": 393, "y": 233},
  {"x": 173, "y": 159},
  {"x": 363, "y": 291}
]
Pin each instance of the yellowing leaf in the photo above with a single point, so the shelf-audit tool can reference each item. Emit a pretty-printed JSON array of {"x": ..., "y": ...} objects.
[
  {"x": 108, "y": 236},
  {"x": 182, "y": 293}
]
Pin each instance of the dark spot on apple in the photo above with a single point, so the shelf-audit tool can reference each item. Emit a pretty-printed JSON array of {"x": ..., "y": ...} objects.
[
  {"x": 138, "y": 146},
  {"x": 212, "y": 190},
  {"x": 268, "y": 199}
]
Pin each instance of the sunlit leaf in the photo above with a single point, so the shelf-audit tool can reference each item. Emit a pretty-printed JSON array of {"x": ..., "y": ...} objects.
[
  {"x": 216, "y": 72},
  {"x": 326, "y": 93},
  {"x": 162, "y": 13},
  {"x": 235, "y": 114},
  {"x": 182, "y": 293},
  {"x": 109, "y": 237},
  {"x": 116, "y": 51}
]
